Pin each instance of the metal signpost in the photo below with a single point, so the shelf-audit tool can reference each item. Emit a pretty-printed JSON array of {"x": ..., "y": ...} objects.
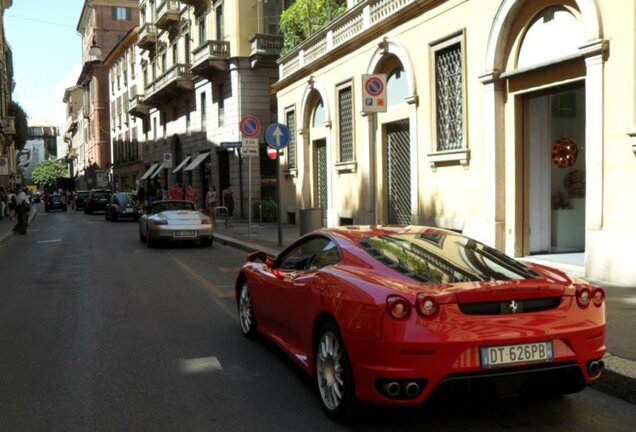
[
  {"x": 250, "y": 128},
  {"x": 374, "y": 100},
  {"x": 277, "y": 136}
]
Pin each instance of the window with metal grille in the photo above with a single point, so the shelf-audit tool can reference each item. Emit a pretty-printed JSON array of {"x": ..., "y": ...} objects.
[
  {"x": 345, "y": 130},
  {"x": 291, "y": 124},
  {"x": 449, "y": 96}
]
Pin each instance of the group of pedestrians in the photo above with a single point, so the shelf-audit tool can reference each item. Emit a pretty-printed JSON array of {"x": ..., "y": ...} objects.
[{"x": 16, "y": 205}]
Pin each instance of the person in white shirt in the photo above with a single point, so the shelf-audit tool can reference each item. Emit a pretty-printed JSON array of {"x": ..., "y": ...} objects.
[{"x": 23, "y": 209}]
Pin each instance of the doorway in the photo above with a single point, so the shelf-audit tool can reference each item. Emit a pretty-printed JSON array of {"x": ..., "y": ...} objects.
[
  {"x": 322, "y": 194},
  {"x": 554, "y": 180},
  {"x": 399, "y": 173}
]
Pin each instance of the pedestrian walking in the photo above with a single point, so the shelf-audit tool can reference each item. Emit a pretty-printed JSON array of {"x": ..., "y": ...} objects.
[
  {"x": 192, "y": 195},
  {"x": 3, "y": 202},
  {"x": 176, "y": 192},
  {"x": 12, "y": 203},
  {"x": 23, "y": 209},
  {"x": 211, "y": 201},
  {"x": 228, "y": 201},
  {"x": 73, "y": 201}
]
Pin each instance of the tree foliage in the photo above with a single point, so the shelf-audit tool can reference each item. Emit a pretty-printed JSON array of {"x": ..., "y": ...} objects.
[
  {"x": 306, "y": 17},
  {"x": 47, "y": 173},
  {"x": 21, "y": 125}
]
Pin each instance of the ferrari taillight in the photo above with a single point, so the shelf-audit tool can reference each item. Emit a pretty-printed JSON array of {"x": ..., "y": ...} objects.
[
  {"x": 598, "y": 296},
  {"x": 583, "y": 296},
  {"x": 426, "y": 305},
  {"x": 398, "y": 307}
]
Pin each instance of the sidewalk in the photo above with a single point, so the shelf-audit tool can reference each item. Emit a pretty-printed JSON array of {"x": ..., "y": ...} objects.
[{"x": 620, "y": 374}]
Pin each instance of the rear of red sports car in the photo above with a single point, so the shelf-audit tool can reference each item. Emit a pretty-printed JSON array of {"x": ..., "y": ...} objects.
[{"x": 458, "y": 314}]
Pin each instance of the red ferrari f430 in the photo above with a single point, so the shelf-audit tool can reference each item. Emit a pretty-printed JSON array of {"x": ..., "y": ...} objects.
[{"x": 393, "y": 315}]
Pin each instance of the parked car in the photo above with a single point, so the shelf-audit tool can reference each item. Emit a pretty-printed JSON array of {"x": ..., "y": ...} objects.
[
  {"x": 80, "y": 198},
  {"x": 175, "y": 221},
  {"x": 55, "y": 202},
  {"x": 35, "y": 197},
  {"x": 392, "y": 315},
  {"x": 121, "y": 206},
  {"x": 97, "y": 200}
]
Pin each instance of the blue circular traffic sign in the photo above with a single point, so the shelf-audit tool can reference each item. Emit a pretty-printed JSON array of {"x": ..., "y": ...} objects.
[
  {"x": 277, "y": 135},
  {"x": 250, "y": 126},
  {"x": 374, "y": 86}
]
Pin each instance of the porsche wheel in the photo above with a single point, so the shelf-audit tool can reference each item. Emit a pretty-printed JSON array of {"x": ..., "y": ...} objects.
[
  {"x": 334, "y": 376},
  {"x": 246, "y": 311}
]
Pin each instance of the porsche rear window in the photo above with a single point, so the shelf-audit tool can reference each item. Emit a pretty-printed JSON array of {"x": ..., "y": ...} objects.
[{"x": 441, "y": 257}]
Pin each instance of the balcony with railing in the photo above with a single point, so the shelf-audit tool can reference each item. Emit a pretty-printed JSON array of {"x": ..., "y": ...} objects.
[
  {"x": 210, "y": 57},
  {"x": 147, "y": 37},
  {"x": 168, "y": 14},
  {"x": 264, "y": 47},
  {"x": 137, "y": 105},
  {"x": 195, "y": 2},
  {"x": 366, "y": 16},
  {"x": 172, "y": 84}
]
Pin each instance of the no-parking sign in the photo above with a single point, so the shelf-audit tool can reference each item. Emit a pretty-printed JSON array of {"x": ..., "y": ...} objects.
[
  {"x": 250, "y": 126},
  {"x": 374, "y": 93}
]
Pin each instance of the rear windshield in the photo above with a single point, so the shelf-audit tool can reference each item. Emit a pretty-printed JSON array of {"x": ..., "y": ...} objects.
[
  {"x": 83, "y": 194},
  {"x": 100, "y": 194},
  {"x": 441, "y": 257}
]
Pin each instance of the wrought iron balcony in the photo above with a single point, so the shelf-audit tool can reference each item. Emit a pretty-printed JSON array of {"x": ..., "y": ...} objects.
[
  {"x": 148, "y": 37},
  {"x": 137, "y": 105},
  {"x": 265, "y": 47},
  {"x": 195, "y": 2},
  {"x": 167, "y": 14},
  {"x": 210, "y": 57},
  {"x": 172, "y": 84}
]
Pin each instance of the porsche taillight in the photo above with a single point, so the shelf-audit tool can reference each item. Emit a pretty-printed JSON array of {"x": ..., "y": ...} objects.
[
  {"x": 159, "y": 222},
  {"x": 206, "y": 222},
  {"x": 426, "y": 305},
  {"x": 398, "y": 307}
]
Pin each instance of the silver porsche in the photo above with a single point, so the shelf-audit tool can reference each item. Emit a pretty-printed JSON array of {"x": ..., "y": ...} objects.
[{"x": 175, "y": 221}]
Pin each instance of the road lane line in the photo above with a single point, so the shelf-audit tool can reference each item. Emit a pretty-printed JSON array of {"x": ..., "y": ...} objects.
[
  {"x": 50, "y": 241},
  {"x": 202, "y": 280},
  {"x": 200, "y": 365}
]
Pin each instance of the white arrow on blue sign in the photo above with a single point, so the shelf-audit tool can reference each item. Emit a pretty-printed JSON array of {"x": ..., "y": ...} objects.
[{"x": 277, "y": 135}]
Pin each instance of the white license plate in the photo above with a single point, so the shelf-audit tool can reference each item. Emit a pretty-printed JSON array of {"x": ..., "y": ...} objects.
[
  {"x": 505, "y": 355},
  {"x": 128, "y": 210},
  {"x": 185, "y": 233}
]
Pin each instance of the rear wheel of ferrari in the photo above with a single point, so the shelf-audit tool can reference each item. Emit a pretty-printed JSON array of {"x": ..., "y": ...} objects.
[
  {"x": 246, "y": 311},
  {"x": 334, "y": 376}
]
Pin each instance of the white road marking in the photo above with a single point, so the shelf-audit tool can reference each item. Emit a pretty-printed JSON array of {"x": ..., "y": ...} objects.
[
  {"x": 628, "y": 300},
  {"x": 50, "y": 241},
  {"x": 200, "y": 365}
]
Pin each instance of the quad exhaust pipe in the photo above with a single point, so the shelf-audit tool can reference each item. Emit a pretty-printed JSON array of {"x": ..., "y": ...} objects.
[
  {"x": 595, "y": 367},
  {"x": 403, "y": 389}
]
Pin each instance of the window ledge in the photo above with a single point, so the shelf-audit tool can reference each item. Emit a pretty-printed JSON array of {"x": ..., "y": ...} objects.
[
  {"x": 346, "y": 167},
  {"x": 461, "y": 156},
  {"x": 291, "y": 172},
  {"x": 632, "y": 140}
]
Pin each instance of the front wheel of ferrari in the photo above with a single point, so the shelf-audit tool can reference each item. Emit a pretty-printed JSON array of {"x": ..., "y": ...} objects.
[
  {"x": 334, "y": 376},
  {"x": 246, "y": 311}
]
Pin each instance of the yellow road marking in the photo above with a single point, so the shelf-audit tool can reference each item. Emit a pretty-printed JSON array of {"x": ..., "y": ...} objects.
[{"x": 203, "y": 281}]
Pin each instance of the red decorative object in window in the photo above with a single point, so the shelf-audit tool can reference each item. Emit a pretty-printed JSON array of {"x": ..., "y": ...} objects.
[{"x": 564, "y": 153}]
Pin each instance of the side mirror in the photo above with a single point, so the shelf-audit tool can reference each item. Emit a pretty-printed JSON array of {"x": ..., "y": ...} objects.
[{"x": 257, "y": 256}]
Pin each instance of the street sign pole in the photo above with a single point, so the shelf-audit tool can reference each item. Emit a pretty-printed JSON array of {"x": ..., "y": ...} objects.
[
  {"x": 280, "y": 199},
  {"x": 249, "y": 198}
]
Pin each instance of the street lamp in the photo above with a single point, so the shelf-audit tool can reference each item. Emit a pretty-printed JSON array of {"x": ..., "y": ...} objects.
[{"x": 95, "y": 51}]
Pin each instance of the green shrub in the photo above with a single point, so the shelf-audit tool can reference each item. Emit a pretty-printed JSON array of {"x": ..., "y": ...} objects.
[{"x": 268, "y": 206}]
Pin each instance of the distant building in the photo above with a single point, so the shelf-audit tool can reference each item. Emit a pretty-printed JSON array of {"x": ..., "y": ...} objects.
[
  {"x": 9, "y": 176},
  {"x": 102, "y": 24}
]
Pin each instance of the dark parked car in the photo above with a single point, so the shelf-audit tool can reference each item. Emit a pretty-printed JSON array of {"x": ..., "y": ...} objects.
[
  {"x": 55, "y": 202},
  {"x": 97, "y": 200},
  {"x": 122, "y": 205},
  {"x": 80, "y": 198}
]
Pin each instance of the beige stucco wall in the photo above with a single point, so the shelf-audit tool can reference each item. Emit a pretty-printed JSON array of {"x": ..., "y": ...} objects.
[{"x": 485, "y": 198}]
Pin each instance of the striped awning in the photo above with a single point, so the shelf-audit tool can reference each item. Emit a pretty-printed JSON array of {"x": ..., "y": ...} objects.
[
  {"x": 197, "y": 160},
  {"x": 182, "y": 164},
  {"x": 150, "y": 170}
]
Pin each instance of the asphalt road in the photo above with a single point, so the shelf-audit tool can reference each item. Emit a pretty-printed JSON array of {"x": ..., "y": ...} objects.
[{"x": 97, "y": 332}]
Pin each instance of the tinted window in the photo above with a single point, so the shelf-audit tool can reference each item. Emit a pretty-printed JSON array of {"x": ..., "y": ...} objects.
[
  {"x": 303, "y": 255},
  {"x": 441, "y": 257}
]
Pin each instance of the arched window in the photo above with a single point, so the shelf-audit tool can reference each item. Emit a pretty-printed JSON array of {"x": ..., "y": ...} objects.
[
  {"x": 318, "y": 116},
  {"x": 397, "y": 87}
]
